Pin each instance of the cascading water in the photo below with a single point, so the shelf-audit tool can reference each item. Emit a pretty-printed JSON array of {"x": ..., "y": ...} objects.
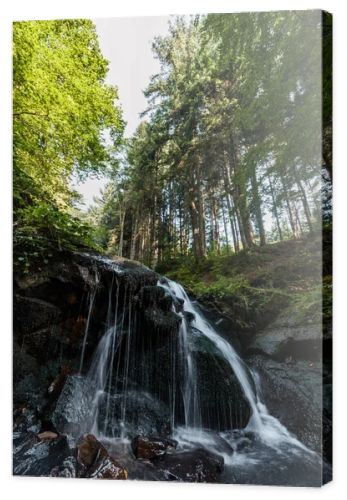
[
  {"x": 222, "y": 345},
  {"x": 190, "y": 396},
  {"x": 102, "y": 370},
  {"x": 91, "y": 301},
  {"x": 261, "y": 422},
  {"x": 121, "y": 387}
]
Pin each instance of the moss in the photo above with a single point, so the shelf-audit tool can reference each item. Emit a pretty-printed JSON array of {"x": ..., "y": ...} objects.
[{"x": 253, "y": 286}]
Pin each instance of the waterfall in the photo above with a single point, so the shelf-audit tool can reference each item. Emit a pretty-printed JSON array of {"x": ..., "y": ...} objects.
[
  {"x": 190, "y": 393},
  {"x": 227, "y": 351},
  {"x": 103, "y": 369},
  {"x": 267, "y": 427},
  {"x": 111, "y": 375},
  {"x": 91, "y": 297}
]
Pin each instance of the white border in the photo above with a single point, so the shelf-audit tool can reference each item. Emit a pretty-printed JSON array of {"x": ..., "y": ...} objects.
[{"x": 33, "y": 488}]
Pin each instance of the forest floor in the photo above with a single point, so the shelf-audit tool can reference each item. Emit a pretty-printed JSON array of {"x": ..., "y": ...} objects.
[{"x": 253, "y": 286}]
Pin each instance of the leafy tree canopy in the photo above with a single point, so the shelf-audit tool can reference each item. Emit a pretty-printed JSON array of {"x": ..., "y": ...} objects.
[{"x": 66, "y": 121}]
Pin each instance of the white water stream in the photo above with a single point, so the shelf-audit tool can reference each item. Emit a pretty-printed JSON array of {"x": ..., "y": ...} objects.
[
  {"x": 251, "y": 451},
  {"x": 267, "y": 427}
]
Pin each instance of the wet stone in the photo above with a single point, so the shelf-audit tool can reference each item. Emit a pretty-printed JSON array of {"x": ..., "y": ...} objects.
[
  {"x": 33, "y": 457},
  {"x": 94, "y": 461},
  {"x": 72, "y": 412},
  {"x": 150, "y": 448},
  {"x": 198, "y": 466},
  {"x": 144, "y": 415}
]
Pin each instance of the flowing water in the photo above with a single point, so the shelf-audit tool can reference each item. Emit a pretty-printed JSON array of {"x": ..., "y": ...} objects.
[
  {"x": 264, "y": 438},
  {"x": 91, "y": 300},
  {"x": 264, "y": 452}
]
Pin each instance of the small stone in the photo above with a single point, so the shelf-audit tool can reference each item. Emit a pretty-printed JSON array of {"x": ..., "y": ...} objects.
[
  {"x": 149, "y": 448},
  {"x": 66, "y": 469},
  {"x": 198, "y": 466},
  {"x": 47, "y": 436},
  {"x": 94, "y": 461}
]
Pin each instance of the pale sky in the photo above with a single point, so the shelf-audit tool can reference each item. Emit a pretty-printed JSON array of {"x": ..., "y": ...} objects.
[{"x": 126, "y": 43}]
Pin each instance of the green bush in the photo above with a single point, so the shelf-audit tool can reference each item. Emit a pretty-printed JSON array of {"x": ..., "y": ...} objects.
[{"x": 42, "y": 229}]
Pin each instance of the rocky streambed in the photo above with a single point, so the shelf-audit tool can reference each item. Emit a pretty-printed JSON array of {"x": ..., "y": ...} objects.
[
  {"x": 53, "y": 402},
  {"x": 113, "y": 380}
]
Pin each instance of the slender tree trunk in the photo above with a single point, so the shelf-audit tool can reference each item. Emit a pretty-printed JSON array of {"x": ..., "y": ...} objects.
[
  {"x": 239, "y": 194},
  {"x": 235, "y": 232},
  {"x": 227, "y": 188},
  {"x": 241, "y": 231},
  {"x": 304, "y": 199},
  {"x": 134, "y": 236},
  {"x": 289, "y": 209},
  {"x": 196, "y": 208},
  {"x": 257, "y": 207},
  {"x": 172, "y": 229},
  {"x": 153, "y": 233},
  {"x": 180, "y": 216},
  {"x": 225, "y": 228},
  {"x": 186, "y": 232},
  {"x": 198, "y": 247},
  {"x": 121, "y": 232},
  {"x": 274, "y": 207},
  {"x": 215, "y": 225},
  {"x": 297, "y": 220},
  {"x": 201, "y": 213},
  {"x": 243, "y": 217}
]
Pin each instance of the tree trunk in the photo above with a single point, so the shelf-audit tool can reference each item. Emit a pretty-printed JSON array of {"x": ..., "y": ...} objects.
[
  {"x": 241, "y": 231},
  {"x": 235, "y": 233},
  {"x": 227, "y": 188},
  {"x": 257, "y": 207},
  {"x": 196, "y": 207},
  {"x": 134, "y": 236},
  {"x": 297, "y": 220},
  {"x": 274, "y": 207},
  {"x": 290, "y": 213},
  {"x": 215, "y": 225},
  {"x": 239, "y": 194},
  {"x": 303, "y": 198},
  {"x": 225, "y": 228},
  {"x": 121, "y": 231}
]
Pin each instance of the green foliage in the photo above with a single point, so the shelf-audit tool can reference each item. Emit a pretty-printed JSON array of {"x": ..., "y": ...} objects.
[
  {"x": 62, "y": 108},
  {"x": 232, "y": 140},
  {"x": 255, "y": 285},
  {"x": 65, "y": 123},
  {"x": 41, "y": 230}
]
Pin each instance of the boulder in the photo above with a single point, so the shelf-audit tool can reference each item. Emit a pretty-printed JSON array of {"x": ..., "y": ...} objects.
[
  {"x": 93, "y": 460},
  {"x": 292, "y": 392},
  {"x": 288, "y": 337},
  {"x": 42, "y": 344},
  {"x": 196, "y": 466},
  {"x": 33, "y": 314},
  {"x": 35, "y": 457},
  {"x": 23, "y": 363},
  {"x": 30, "y": 389},
  {"x": 73, "y": 410},
  {"x": 189, "y": 316},
  {"x": 25, "y": 419},
  {"x": 155, "y": 296},
  {"x": 144, "y": 415},
  {"x": 149, "y": 448},
  {"x": 159, "y": 324},
  {"x": 222, "y": 402}
]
